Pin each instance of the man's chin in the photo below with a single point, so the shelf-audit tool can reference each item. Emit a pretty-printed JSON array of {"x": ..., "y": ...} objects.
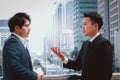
[
  {"x": 84, "y": 34},
  {"x": 26, "y": 36}
]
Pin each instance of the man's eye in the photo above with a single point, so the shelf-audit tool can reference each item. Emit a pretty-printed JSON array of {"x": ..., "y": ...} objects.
[
  {"x": 26, "y": 25},
  {"x": 84, "y": 24}
]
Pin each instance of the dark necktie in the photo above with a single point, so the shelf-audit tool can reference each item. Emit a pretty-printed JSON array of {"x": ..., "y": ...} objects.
[
  {"x": 89, "y": 44},
  {"x": 87, "y": 48}
]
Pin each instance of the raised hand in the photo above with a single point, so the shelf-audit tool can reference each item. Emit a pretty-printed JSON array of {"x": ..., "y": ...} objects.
[
  {"x": 40, "y": 77},
  {"x": 57, "y": 52}
]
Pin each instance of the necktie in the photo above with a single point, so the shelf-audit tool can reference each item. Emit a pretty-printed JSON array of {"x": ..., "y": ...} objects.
[
  {"x": 86, "y": 51},
  {"x": 89, "y": 44}
]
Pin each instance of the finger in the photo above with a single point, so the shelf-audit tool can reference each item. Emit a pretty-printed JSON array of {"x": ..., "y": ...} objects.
[
  {"x": 51, "y": 48},
  {"x": 41, "y": 77}
]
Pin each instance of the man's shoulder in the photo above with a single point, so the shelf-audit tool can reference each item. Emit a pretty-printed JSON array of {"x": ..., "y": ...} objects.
[
  {"x": 11, "y": 39},
  {"x": 103, "y": 41}
]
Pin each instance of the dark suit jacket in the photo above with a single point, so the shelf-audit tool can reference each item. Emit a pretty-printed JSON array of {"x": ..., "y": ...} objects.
[
  {"x": 16, "y": 61},
  {"x": 95, "y": 60}
]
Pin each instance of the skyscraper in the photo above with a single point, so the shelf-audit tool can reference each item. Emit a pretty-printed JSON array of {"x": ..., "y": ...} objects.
[
  {"x": 81, "y": 6},
  {"x": 103, "y": 10}
]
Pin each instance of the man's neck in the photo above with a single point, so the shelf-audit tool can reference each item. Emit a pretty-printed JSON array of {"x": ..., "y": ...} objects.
[{"x": 91, "y": 39}]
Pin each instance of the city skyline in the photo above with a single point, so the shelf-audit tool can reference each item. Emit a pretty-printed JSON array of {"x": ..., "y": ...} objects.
[{"x": 40, "y": 11}]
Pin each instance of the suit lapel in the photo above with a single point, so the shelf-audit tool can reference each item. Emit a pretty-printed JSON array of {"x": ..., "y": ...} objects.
[
  {"x": 86, "y": 48},
  {"x": 29, "y": 58},
  {"x": 25, "y": 49}
]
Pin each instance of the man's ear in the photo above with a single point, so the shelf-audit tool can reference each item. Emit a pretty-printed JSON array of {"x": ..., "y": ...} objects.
[
  {"x": 17, "y": 28},
  {"x": 96, "y": 25}
]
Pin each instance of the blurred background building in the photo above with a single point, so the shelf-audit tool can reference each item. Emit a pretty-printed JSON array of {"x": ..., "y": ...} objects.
[{"x": 67, "y": 32}]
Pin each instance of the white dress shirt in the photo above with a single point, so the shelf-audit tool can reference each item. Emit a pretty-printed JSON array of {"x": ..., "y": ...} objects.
[{"x": 21, "y": 39}]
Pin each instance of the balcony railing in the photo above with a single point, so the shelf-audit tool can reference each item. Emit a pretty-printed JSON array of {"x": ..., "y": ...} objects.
[
  {"x": 115, "y": 76},
  {"x": 62, "y": 77}
]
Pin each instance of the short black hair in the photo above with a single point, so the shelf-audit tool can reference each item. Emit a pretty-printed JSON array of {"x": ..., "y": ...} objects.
[
  {"x": 95, "y": 18},
  {"x": 19, "y": 20}
]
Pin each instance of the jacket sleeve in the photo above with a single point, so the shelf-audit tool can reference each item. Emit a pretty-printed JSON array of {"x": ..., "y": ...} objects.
[{"x": 77, "y": 63}]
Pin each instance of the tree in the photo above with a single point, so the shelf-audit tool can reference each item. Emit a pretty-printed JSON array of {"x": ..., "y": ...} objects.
[
  {"x": 0, "y": 62},
  {"x": 74, "y": 54}
]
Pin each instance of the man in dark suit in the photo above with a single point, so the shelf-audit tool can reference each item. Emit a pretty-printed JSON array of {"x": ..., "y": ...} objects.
[
  {"x": 95, "y": 56},
  {"x": 16, "y": 59}
]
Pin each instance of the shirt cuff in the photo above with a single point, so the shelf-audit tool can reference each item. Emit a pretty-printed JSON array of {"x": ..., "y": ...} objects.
[{"x": 65, "y": 61}]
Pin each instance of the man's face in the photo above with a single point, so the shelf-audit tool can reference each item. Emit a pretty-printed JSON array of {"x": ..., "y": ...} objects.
[
  {"x": 88, "y": 28},
  {"x": 25, "y": 30}
]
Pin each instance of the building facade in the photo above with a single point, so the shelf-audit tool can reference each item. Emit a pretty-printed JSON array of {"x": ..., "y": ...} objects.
[
  {"x": 81, "y": 6},
  {"x": 103, "y": 10},
  {"x": 114, "y": 17},
  {"x": 4, "y": 32}
]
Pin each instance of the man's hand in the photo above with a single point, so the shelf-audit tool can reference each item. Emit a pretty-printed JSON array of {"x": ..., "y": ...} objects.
[
  {"x": 40, "y": 77},
  {"x": 58, "y": 53}
]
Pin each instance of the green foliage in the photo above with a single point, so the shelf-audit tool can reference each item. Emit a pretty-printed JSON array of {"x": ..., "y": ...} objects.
[
  {"x": 113, "y": 55},
  {"x": 0, "y": 62},
  {"x": 114, "y": 68},
  {"x": 74, "y": 54},
  {"x": 64, "y": 53}
]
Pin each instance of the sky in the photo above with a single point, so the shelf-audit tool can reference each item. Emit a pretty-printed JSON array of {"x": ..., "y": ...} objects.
[{"x": 41, "y": 13}]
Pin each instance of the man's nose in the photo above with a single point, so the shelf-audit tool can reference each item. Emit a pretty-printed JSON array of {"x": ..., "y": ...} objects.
[
  {"x": 29, "y": 29},
  {"x": 83, "y": 27}
]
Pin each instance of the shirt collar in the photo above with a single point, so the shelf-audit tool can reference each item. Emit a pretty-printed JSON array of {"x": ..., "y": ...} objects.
[
  {"x": 20, "y": 38},
  {"x": 93, "y": 38}
]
